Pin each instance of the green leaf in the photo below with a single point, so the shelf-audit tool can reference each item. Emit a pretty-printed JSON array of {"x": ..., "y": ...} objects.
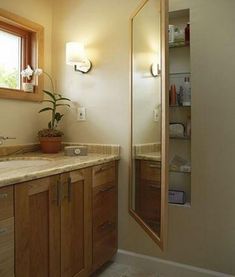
[
  {"x": 63, "y": 98},
  {"x": 49, "y": 101},
  {"x": 58, "y": 117},
  {"x": 57, "y": 105},
  {"x": 50, "y": 94},
  {"x": 45, "y": 109}
]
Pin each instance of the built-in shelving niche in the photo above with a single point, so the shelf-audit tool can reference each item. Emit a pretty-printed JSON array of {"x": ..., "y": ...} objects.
[{"x": 179, "y": 65}]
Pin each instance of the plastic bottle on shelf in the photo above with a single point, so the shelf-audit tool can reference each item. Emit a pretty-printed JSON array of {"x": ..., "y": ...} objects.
[
  {"x": 180, "y": 96},
  {"x": 187, "y": 34},
  {"x": 187, "y": 92},
  {"x": 173, "y": 96},
  {"x": 188, "y": 127}
]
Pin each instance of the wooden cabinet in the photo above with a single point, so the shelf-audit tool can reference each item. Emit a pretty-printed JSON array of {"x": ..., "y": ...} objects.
[
  {"x": 148, "y": 192},
  {"x": 104, "y": 208},
  {"x": 6, "y": 232},
  {"x": 59, "y": 226},
  {"x": 52, "y": 226}
]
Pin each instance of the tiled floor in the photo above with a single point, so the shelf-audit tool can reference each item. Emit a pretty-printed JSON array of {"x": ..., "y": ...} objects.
[{"x": 120, "y": 270}]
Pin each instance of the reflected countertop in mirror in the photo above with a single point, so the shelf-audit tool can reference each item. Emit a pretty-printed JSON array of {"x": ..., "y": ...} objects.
[{"x": 147, "y": 151}]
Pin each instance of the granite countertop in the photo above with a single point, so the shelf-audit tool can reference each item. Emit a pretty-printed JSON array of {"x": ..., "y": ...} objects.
[
  {"x": 151, "y": 156},
  {"x": 53, "y": 164}
]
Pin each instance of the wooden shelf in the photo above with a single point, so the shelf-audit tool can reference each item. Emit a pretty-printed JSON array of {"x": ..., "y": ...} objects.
[
  {"x": 180, "y": 138},
  {"x": 186, "y": 205},
  {"x": 177, "y": 106},
  {"x": 180, "y": 171},
  {"x": 180, "y": 73},
  {"x": 178, "y": 45}
]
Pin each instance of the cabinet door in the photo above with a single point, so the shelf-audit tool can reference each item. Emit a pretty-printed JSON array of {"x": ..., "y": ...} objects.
[
  {"x": 6, "y": 232},
  {"x": 37, "y": 228},
  {"x": 76, "y": 223}
]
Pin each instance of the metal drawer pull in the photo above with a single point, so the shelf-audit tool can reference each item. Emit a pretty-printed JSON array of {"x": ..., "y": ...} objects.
[
  {"x": 155, "y": 165},
  {"x": 107, "y": 224},
  {"x": 3, "y": 195},
  {"x": 69, "y": 189},
  {"x": 3, "y": 231},
  {"x": 154, "y": 186},
  {"x": 106, "y": 189}
]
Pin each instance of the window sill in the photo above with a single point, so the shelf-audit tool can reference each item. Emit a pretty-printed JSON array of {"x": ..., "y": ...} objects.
[{"x": 17, "y": 94}]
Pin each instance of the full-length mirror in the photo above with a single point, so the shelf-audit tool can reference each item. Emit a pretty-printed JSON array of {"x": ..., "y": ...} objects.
[{"x": 148, "y": 122}]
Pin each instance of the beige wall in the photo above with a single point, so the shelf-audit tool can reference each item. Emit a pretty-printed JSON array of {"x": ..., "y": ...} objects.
[
  {"x": 18, "y": 118},
  {"x": 203, "y": 235}
]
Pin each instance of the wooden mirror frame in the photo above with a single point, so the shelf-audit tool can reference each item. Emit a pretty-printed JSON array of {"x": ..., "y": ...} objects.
[{"x": 161, "y": 239}]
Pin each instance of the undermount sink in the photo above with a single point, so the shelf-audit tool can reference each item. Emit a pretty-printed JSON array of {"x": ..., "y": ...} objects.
[{"x": 17, "y": 162}]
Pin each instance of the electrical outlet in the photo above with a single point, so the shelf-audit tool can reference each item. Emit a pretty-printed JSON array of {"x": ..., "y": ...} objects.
[{"x": 81, "y": 114}]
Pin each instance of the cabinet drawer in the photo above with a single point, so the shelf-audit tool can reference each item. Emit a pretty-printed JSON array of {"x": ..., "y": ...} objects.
[
  {"x": 7, "y": 247},
  {"x": 102, "y": 174},
  {"x": 104, "y": 203},
  {"x": 151, "y": 170},
  {"x": 104, "y": 229},
  {"x": 104, "y": 249},
  {"x": 6, "y": 202},
  {"x": 150, "y": 201}
]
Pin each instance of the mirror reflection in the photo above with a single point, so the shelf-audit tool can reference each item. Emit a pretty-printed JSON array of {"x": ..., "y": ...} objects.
[{"x": 146, "y": 115}]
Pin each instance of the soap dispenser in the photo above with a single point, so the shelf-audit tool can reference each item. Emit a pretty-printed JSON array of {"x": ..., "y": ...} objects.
[{"x": 187, "y": 92}]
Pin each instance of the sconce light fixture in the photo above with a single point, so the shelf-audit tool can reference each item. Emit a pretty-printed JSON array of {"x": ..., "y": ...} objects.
[
  {"x": 155, "y": 70},
  {"x": 75, "y": 56}
]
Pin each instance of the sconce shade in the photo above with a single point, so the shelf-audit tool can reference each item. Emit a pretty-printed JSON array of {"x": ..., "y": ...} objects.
[
  {"x": 75, "y": 53},
  {"x": 75, "y": 56}
]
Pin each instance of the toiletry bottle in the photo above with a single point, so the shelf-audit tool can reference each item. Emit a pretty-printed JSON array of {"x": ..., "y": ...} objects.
[
  {"x": 187, "y": 92},
  {"x": 170, "y": 96},
  {"x": 173, "y": 95},
  {"x": 171, "y": 32},
  {"x": 181, "y": 96},
  {"x": 187, "y": 34},
  {"x": 188, "y": 127}
]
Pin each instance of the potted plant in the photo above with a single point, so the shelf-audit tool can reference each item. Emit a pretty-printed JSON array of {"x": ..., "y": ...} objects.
[{"x": 50, "y": 138}]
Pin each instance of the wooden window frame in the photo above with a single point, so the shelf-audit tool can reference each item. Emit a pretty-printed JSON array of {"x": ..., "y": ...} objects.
[{"x": 32, "y": 35}]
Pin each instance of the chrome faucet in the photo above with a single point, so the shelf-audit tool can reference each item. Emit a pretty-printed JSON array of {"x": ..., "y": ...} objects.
[{"x": 2, "y": 138}]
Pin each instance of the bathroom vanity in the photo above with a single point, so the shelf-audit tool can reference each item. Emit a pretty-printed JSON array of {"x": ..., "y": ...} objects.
[{"x": 58, "y": 218}]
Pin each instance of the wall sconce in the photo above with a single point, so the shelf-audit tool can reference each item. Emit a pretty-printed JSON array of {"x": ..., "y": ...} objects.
[
  {"x": 75, "y": 55},
  {"x": 155, "y": 70}
]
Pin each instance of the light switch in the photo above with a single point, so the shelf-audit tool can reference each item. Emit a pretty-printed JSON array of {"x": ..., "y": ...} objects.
[{"x": 81, "y": 114}]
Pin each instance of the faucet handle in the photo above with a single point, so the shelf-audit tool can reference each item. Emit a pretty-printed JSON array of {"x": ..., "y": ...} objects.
[{"x": 2, "y": 138}]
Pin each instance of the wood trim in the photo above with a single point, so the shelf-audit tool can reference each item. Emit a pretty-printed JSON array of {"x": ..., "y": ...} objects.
[
  {"x": 38, "y": 186},
  {"x": 88, "y": 218},
  {"x": 36, "y": 42},
  {"x": 160, "y": 240},
  {"x": 165, "y": 121},
  {"x": 22, "y": 228},
  {"x": 11, "y": 29}
]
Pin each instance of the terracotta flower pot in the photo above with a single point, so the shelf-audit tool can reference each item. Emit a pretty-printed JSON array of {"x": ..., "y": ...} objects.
[{"x": 50, "y": 144}]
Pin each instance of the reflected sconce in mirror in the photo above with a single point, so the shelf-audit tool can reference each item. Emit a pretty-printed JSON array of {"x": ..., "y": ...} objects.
[
  {"x": 155, "y": 69},
  {"x": 75, "y": 56}
]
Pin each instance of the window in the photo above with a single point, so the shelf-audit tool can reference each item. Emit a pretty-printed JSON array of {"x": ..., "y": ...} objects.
[{"x": 21, "y": 44}]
